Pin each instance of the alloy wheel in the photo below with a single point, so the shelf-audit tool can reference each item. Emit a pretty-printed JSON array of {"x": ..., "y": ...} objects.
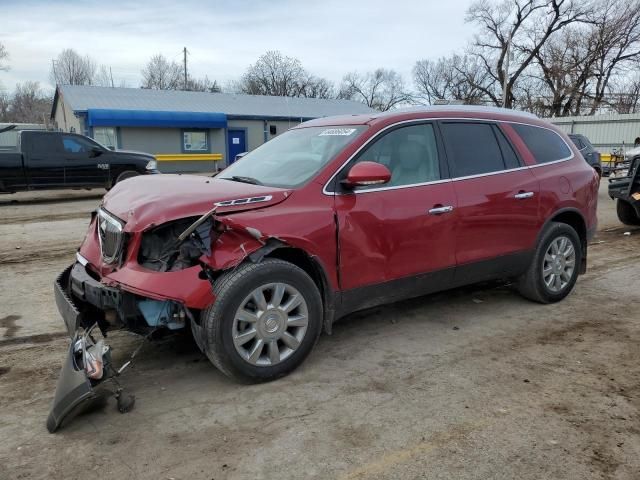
[
  {"x": 558, "y": 264},
  {"x": 270, "y": 324}
]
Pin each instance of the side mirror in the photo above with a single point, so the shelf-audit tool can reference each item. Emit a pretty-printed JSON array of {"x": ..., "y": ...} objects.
[
  {"x": 365, "y": 174},
  {"x": 95, "y": 152}
]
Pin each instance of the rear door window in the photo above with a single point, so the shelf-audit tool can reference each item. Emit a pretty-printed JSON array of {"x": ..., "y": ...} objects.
[
  {"x": 473, "y": 148},
  {"x": 45, "y": 144},
  {"x": 544, "y": 144}
]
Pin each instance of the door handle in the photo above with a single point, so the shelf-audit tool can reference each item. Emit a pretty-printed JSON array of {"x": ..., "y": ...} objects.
[
  {"x": 523, "y": 195},
  {"x": 441, "y": 210}
]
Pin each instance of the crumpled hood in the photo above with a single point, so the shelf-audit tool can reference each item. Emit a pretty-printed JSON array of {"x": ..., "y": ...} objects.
[{"x": 149, "y": 200}]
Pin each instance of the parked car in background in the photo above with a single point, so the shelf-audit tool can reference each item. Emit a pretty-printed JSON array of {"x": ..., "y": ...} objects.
[
  {"x": 42, "y": 160},
  {"x": 590, "y": 154}
]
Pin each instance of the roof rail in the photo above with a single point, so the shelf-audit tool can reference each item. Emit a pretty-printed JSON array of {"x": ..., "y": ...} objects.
[{"x": 460, "y": 108}]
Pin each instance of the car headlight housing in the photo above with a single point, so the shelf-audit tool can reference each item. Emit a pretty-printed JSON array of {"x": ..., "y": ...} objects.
[{"x": 152, "y": 165}]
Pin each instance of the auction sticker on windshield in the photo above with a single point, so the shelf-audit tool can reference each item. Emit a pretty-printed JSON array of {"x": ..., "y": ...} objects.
[{"x": 337, "y": 131}]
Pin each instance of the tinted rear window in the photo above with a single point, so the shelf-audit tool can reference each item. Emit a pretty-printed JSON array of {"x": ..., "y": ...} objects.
[
  {"x": 474, "y": 148},
  {"x": 545, "y": 145},
  {"x": 45, "y": 143}
]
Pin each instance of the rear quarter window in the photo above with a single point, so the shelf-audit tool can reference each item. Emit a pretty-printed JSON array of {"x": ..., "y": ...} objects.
[{"x": 544, "y": 144}]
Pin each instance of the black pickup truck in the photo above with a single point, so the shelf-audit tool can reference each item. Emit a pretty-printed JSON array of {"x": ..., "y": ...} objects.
[{"x": 42, "y": 160}]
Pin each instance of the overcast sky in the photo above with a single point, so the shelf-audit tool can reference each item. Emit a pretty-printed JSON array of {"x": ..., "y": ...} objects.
[{"x": 330, "y": 37}]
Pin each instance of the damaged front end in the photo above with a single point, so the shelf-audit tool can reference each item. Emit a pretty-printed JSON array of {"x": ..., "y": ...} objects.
[{"x": 147, "y": 278}]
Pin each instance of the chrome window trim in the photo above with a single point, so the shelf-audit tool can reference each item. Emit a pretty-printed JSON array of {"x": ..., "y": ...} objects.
[{"x": 444, "y": 180}]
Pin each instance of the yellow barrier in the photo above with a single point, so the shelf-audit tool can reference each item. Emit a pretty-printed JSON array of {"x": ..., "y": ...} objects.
[{"x": 188, "y": 157}]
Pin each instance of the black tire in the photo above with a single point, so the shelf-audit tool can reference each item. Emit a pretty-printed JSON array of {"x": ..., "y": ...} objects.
[
  {"x": 531, "y": 284},
  {"x": 599, "y": 172},
  {"x": 230, "y": 290},
  {"x": 124, "y": 175},
  {"x": 626, "y": 213}
]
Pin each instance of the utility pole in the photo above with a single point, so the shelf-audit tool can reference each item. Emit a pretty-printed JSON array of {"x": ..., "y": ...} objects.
[
  {"x": 185, "y": 67},
  {"x": 505, "y": 85},
  {"x": 111, "y": 74}
]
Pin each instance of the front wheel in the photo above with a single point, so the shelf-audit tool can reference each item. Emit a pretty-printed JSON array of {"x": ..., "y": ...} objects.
[
  {"x": 554, "y": 269},
  {"x": 264, "y": 322}
]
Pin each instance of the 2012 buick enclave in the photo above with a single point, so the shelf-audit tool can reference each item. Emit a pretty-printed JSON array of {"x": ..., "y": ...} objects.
[{"x": 333, "y": 216}]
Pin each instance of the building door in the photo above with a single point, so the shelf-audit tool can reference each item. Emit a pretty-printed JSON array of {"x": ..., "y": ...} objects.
[{"x": 237, "y": 143}]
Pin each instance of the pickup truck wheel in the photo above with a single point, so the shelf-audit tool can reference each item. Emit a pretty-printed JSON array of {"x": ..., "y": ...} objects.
[
  {"x": 553, "y": 271},
  {"x": 264, "y": 322},
  {"x": 626, "y": 213},
  {"x": 124, "y": 175}
]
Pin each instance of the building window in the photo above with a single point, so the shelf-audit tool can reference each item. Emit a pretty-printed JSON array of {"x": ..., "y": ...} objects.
[
  {"x": 106, "y": 136},
  {"x": 195, "y": 141}
]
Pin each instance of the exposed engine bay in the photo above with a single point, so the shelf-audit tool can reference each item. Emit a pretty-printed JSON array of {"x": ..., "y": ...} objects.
[{"x": 161, "y": 249}]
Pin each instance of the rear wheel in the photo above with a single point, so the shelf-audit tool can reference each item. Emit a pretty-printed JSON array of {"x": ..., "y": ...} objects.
[
  {"x": 626, "y": 213},
  {"x": 264, "y": 322},
  {"x": 554, "y": 269}
]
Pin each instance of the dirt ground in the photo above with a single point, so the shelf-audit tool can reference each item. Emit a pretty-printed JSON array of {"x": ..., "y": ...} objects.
[{"x": 475, "y": 383}]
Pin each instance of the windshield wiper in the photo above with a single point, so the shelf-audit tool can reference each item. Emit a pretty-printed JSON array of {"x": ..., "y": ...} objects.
[{"x": 251, "y": 180}]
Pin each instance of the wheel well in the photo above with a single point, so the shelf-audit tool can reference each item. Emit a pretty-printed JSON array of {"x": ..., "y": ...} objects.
[
  {"x": 303, "y": 260},
  {"x": 575, "y": 220}
]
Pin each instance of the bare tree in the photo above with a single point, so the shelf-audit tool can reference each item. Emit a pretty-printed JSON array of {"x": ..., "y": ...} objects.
[
  {"x": 617, "y": 33},
  {"x": 161, "y": 74},
  {"x": 3, "y": 57},
  {"x": 447, "y": 79},
  {"x": 381, "y": 89},
  {"x": 70, "y": 68},
  {"x": 518, "y": 27},
  {"x": 628, "y": 98},
  {"x": 5, "y": 105},
  {"x": 203, "y": 85},
  {"x": 564, "y": 65},
  {"x": 274, "y": 74},
  {"x": 315, "y": 87},
  {"x": 29, "y": 104},
  {"x": 278, "y": 75},
  {"x": 103, "y": 77}
]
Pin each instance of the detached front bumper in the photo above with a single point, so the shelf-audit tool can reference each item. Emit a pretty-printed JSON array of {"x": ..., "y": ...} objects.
[{"x": 75, "y": 392}]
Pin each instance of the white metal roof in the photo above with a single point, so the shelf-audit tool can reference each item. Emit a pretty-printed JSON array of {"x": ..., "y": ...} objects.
[{"x": 83, "y": 98}]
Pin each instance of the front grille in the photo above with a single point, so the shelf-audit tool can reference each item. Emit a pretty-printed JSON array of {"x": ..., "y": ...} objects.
[{"x": 111, "y": 236}]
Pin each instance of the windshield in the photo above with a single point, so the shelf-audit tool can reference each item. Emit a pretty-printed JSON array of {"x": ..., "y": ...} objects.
[{"x": 291, "y": 159}]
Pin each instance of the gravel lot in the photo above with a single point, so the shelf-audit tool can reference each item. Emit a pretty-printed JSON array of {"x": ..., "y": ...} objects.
[{"x": 468, "y": 384}]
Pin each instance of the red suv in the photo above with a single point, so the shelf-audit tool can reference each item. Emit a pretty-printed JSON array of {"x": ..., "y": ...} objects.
[{"x": 336, "y": 215}]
